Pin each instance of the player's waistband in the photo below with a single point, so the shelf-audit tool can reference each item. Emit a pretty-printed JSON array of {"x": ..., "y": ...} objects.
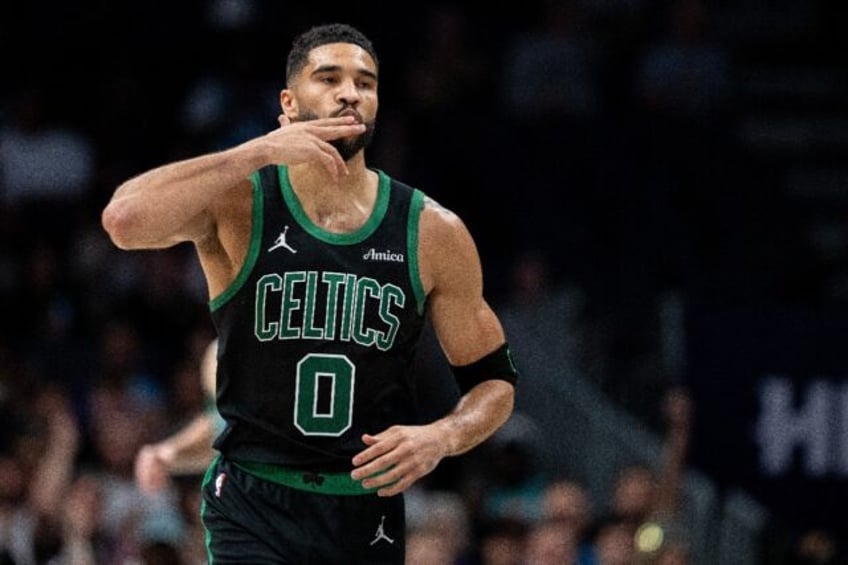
[{"x": 324, "y": 483}]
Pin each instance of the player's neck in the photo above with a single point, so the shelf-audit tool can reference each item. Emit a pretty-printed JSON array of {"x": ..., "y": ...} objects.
[
  {"x": 337, "y": 205},
  {"x": 313, "y": 178}
]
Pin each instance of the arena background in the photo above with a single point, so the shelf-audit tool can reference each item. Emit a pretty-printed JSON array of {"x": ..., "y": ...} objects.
[{"x": 658, "y": 190}]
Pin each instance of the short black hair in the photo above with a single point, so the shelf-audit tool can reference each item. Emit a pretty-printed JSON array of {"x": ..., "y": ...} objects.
[{"x": 322, "y": 35}]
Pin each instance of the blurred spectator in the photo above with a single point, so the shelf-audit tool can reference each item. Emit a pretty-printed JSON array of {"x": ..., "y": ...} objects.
[
  {"x": 192, "y": 543},
  {"x": 568, "y": 503},
  {"x": 165, "y": 303},
  {"x": 189, "y": 391},
  {"x": 448, "y": 68},
  {"x": 428, "y": 547},
  {"x": 816, "y": 546},
  {"x": 34, "y": 478},
  {"x": 677, "y": 410},
  {"x": 448, "y": 80},
  {"x": 673, "y": 552},
  {"x": 531, "y": 279},
  {"x": 126, "y": 517},
  {"x": 613, "y": 542},
  {"x": 229, "y": 100},
  {"x": 439, "y": 524},
  {"x": 552, "y": 72},
  {"x": 47, "y": 312},
  {"x": 634, "y": 493},
  {"x": 83, "y": 539},
  {"x": 542, "y": 314},
  {"x": 649, "y": 502},
  {"x": 689, "y": 225},
  {"x": 552, "y": 542},
  {"x": 225, "y": 107},
  {"x": 189, "y": 449},
  {"x": 503, "y": 542},
  {"x": 124, "y": 376},
  {"x": 174, "y": 465},
  {"x": 667, "y": 197},
  {"x": 509, "y": 482},
  {"x": 15, "y": 518},
  {"x": 550, "y": 100},
  {"x": 684, "y": 73},
  {"x": 124, "y": 408},
  {"x": 46, "y": 166}
]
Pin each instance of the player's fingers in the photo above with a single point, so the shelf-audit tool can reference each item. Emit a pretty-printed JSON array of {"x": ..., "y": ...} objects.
[
  {"x": 368, "y": 463},
  {"x": 333, "y": 122},
  {"x": 373, "y": 469},
  {"x": 368, "y": 439},
  {"x": 395, "y": 488},
  {"x": 329, "y": 164},
  {"x": 332, "y": 159},
  {"x": 384, "y": 477},
  {"x": 336, "y": 131},
  {"x": 399, "y": 484},
  {"x": 371, "y": 453}
]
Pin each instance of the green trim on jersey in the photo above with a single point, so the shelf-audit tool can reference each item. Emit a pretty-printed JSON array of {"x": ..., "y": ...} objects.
[
  {"x": 357, "y": 236},
  {"x": 253, "y": 248},
  {"x": 415, "y": 208}
]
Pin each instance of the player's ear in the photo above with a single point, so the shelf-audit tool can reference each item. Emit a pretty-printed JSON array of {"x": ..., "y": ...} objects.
[{"x": 288, "y": 103}]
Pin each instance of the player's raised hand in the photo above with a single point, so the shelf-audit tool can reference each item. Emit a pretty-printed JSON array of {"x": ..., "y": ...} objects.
[{"x": 300, "y": 142}]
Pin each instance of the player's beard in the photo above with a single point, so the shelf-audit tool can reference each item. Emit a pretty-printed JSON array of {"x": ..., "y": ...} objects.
[{"x": 346, "y": 146}]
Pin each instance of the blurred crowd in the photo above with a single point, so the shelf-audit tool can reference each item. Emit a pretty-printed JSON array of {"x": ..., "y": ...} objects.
[
  {"x": 63, "y": 502},
  {"x": 509, "y": 511},
  {"x": 589, "y": 141}
]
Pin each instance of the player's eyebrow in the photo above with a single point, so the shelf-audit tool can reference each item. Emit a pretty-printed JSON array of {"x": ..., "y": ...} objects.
[{"x": 336, "y": 68}]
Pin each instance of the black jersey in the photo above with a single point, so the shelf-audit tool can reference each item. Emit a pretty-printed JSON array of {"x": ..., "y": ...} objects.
[{"x": 318, "y": 331}]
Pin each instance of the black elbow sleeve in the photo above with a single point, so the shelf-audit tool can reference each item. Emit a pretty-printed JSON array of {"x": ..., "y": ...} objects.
[{"x": 495, "y": 365}]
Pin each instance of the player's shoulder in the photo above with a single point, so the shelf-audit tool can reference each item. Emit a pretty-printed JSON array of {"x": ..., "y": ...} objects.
[
  {"x": 439, "y": 218},
  {"x": 436, "y": 220},
  {"x": 443, "y": 233}
]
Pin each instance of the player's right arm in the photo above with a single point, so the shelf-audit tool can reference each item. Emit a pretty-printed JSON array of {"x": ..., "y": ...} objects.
[{"x": 174, "y": 203}]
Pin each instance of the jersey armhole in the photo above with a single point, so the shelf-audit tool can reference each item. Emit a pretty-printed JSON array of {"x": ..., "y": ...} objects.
[
  {"x": 252, "y": 250},
  {"x": 415, "y": 207}
]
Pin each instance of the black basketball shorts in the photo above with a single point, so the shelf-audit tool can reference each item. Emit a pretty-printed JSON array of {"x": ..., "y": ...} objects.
[{"x": 261, "y": 514}]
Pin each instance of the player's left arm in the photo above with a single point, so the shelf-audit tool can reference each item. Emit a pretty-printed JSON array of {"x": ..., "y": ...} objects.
[{"x": 474, "y": 343}]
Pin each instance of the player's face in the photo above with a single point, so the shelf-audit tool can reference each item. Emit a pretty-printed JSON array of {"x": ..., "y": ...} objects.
[{"x": 339, "y": 79}]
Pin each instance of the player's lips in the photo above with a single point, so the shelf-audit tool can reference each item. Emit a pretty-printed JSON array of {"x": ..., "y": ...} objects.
[{"x": 350, "y": 112}]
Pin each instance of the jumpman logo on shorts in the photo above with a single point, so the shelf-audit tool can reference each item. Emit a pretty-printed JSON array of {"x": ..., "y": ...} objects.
[
  {"x": 281, "y": 242},
  {"x": 381, "y": 534}
]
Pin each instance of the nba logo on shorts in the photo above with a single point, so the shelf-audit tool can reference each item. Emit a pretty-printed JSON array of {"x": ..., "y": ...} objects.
[{"x": 219, "y": 484}]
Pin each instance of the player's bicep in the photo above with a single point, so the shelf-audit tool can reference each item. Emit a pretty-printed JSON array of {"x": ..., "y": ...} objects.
[
  {"x": 466, "y": 331},
  {"x": 465, "y": 325}
]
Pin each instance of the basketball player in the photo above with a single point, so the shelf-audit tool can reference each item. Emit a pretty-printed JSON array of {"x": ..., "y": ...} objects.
[{"x": 320, "y": 272}]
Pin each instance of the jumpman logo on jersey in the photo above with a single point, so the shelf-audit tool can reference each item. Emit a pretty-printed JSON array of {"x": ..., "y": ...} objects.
[
  {"x": 381, "y": 534},
  {"x": 281, "y": 242}
]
